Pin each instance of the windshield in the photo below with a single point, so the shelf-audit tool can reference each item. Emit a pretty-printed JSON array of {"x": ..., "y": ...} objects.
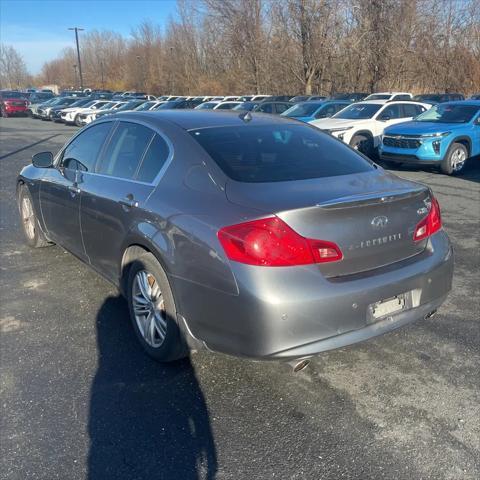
[
  {"x": 358, "y": 111},
  {"x": 145, "y": 106},
  {"x": 435, "y": 98},
  {"x": 79, "y": 103},
  {"x": 12, "y": 95},
  {"x": 378, "y": 96},
  {"x": 108, "y": 105},
  {"x": 129, "y": 105},
  {"x": 206, "y": 106},
  {"x": 276, "y": 153},
  {"x": 306, "y": 109},
  {"x": 246, "y": 106},
  {"x": 446, "y": 113}
]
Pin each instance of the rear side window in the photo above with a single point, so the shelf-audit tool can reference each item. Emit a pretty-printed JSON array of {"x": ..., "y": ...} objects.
[
  {"x": 278, "y": 153},
  {"x": 153, "y": 160},
  {"x": 125, "y": 150},
  {"x": 82, "y": 152}
]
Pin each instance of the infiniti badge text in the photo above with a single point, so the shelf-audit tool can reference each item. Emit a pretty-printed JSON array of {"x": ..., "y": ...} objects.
[{"x": 375, "y": 242}]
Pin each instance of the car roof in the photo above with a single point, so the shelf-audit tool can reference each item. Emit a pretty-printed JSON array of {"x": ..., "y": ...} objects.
[
  {"x": 373, "y": 102},
  {"x": 475, "y": 103},
  {"x": 193, "y": 119},
  {"x": 390, "y": 93}
]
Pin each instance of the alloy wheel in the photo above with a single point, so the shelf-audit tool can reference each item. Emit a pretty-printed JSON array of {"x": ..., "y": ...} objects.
[
  {"x": 458, "y": 159},
  {"x": 149, "y": 308}
]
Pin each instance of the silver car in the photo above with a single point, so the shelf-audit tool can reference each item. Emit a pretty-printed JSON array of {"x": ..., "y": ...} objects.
[{"x": 253, "y": 235}]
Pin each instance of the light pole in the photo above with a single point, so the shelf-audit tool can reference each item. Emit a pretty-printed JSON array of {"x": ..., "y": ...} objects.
[
  {"x": 75, "y": 73},
  {"x": 102, "y": 65},
  {"x": 77, "y": 29}
]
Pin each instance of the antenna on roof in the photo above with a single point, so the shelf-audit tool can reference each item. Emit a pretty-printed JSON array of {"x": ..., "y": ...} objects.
[{"x": 245, "y": 116}]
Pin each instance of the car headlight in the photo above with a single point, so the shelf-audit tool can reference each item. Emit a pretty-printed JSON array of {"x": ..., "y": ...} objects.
[{"x": 436, "y": 135}]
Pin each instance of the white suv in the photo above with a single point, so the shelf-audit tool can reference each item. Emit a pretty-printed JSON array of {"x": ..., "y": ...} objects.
[
  {"x": 361, "y": 124},
  {"x": 70, "y": 115}
]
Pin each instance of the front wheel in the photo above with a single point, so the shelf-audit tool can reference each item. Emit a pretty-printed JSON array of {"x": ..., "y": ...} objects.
[
  {"x": 77, "y": 121},
  {"x": 152, "y": 310},
  {"x": 455, "y": 159},
  {"x": 31, "y": 229},
  {"x": 362, "y": 143},
  {"x": 4, "y": 113}
]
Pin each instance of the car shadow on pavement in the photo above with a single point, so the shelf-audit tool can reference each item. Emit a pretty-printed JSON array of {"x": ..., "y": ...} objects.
[
  {"x": 146, "y": 420},
  {"x": 31, "y": 145}
]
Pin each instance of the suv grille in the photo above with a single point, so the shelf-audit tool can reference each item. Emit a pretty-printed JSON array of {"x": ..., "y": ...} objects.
[{"x": 402, "y": 142}]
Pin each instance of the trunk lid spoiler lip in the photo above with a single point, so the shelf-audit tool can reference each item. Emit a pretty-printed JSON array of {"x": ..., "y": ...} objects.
[{"x": 363, "y": 199}]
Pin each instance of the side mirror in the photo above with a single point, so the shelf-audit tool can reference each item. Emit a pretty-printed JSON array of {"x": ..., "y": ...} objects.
[
  {"x": 42, "y": 160},
  {"x": 385, "y": 118}
]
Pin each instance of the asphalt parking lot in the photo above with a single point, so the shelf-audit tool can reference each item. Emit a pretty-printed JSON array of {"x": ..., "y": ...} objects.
[{"x": 79, "y": 399}]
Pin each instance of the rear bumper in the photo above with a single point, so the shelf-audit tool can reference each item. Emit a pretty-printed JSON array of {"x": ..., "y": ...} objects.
[{"x": 285, "y": 313}]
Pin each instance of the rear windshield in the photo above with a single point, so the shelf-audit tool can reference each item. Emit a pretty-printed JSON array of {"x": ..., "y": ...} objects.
[
  {"x": 302, "y": 109},
  {"x": 278, "y": 153}
]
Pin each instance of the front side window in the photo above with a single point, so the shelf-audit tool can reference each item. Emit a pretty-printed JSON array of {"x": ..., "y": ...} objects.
[
  {"x": 390, "y": 112},
  {"x": 125, "y": 150},
  {"x": 274, "y": 153},
  {"x": 410, "y": 110},
  {"x": 81, "y": 154}
]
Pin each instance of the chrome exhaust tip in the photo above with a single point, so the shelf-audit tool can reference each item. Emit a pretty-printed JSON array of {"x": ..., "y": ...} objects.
[{"x": 299, "y": 364}]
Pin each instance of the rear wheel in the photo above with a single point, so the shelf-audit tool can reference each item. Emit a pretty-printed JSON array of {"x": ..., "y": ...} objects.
[
  {"x": 152, "y": 310},
  {"x": 455, "y": 159},
  {"x": 31, "y": 229},
  {"x": 77, "y": 121},
  {"x": 363, "y": 143}
]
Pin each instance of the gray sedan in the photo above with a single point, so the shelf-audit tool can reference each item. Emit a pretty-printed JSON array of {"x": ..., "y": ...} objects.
[{"x": 247, "y": 234}]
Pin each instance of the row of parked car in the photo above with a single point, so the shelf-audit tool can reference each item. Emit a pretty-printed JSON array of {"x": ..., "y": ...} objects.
[{"x": 445, "y": 135}]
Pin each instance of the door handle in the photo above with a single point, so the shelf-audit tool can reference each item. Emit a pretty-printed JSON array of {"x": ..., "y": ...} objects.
[
  {"x": 128, "y": 202},
  {"x": 74, "y": 189}
]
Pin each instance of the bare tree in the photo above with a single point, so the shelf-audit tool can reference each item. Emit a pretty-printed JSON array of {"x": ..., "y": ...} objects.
[{"x": 13, "y": 71}]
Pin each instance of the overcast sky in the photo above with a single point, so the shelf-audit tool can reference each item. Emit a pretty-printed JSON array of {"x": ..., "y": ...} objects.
[{"x": 38, "y": 29}]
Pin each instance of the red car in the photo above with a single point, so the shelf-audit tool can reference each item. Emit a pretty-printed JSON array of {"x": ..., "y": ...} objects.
[{"x": 12, "y": 103}]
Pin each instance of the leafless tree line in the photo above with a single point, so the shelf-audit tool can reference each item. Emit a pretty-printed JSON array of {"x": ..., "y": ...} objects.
[
  {"x": 287, "y": 46},
  {"x": 13, "y": 71}
]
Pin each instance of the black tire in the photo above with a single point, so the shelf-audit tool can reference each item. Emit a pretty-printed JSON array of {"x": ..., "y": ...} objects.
[
  {"x": 4, "y": 113},
  {"x": 77, "y": 120},
  {"x": 448, "y": 165},
  {"x": 34, "y": 236},
  {"x": 363, "y": 143},
  {"x": 173, "y": 346}
]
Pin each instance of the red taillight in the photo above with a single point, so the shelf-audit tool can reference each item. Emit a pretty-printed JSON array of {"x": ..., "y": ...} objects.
[
  {"x": 430, "y": 224},
  {"x": 270, "y": 242}
]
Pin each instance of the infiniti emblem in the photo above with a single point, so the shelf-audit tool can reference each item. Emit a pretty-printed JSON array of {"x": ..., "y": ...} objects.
[{"x": 379, "y": 222}]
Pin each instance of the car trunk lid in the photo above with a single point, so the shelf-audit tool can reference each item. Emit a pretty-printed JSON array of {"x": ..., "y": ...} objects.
[{"x": 371, "y": 217}]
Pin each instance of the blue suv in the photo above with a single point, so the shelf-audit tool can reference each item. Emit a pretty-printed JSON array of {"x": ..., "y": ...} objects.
[{"x": 446, "y": 135}]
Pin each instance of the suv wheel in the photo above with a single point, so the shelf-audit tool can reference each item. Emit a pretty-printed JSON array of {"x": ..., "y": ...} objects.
[
  {"x": 362, "y": 143},
  {"x": 33, "y": 234},
  {"x": 152, "y": 310},
  {"x": 455, "y": 159},
  {"x": 77, "y": 120}
]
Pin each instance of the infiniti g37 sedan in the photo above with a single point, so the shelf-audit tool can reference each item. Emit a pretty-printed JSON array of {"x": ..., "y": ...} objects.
[{"x": 248, "y": 234}]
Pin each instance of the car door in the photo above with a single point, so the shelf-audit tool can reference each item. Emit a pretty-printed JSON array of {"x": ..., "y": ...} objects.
[
  {"x": 114, "y": 196},
  {"x": 60, "y": 190}
]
